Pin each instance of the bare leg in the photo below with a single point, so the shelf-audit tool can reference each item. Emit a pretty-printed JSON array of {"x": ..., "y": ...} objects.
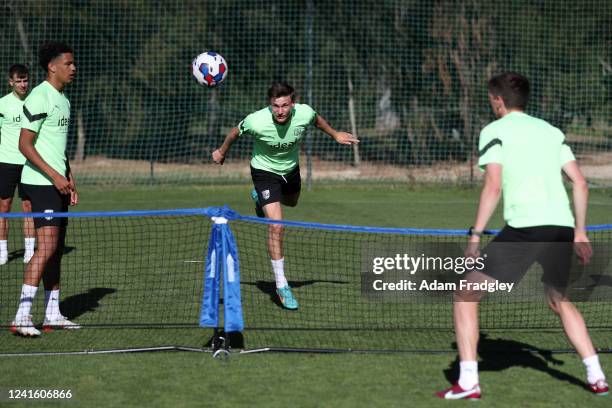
[
  {"x": 52, "y": 271},
  {"x": 28, "y": 223},
  {"x": 48, "y": 242},
  {"x": 573, "y": 323},
  {"x": 274, "y": 211},
  {"x": 5, "y": 206},
  {"x": 465, "y": 318}
]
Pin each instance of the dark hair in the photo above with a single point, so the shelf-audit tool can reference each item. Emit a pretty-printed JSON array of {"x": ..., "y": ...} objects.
[
  {"x": 279, "y": 89},
  {"x": 51, "y": 50},
  {"x": 20, "y": 70},
  {"x": 513, "y": 88}
]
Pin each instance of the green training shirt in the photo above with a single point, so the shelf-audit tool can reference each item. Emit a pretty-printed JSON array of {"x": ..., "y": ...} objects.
[
  {"x": 47, "y": 113},
  {"x": 11, "y": 113},
  {"x": 532, "y": 153},
  {"x": 275, "y": 147}
]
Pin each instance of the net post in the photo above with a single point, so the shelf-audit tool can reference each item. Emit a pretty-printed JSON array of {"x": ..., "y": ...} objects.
[
  {"x": 209, "y": 309},
  {"x": 309, "y": 71},
  {"x": 222, "y": 258}
]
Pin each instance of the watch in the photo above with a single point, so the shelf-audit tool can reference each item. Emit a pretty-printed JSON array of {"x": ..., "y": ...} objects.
[{"x": 474, "y": 233}]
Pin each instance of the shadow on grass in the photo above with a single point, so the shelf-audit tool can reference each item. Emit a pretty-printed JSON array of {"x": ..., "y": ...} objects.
[
  {"x": 77, "y": 305},
  {"x": 600, "y": 280},
  {"x": 18, "y": 253},
  {"x": 500, "y": 354},
  {"x": 269, "y": 287},
  {"x": 15, "y": 255}
]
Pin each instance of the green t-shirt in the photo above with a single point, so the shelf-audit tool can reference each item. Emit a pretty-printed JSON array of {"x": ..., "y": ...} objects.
[
  {"x": 275, "y": 147},
  {"x": 11, "y": 113},
  {"x": 532, "y": 153},
  {"x": 47, "y": 113}
]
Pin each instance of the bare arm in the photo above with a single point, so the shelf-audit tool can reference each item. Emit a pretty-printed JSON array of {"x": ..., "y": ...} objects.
[
  {"x": 489, "y": 198},
  {"x": 340, "y": 137},
  {"x": 26, "y": 147},
  {"x": 580, "y": 194},
  {"x": 74, "y": 195},
  {"x": 218, "y": 155}
]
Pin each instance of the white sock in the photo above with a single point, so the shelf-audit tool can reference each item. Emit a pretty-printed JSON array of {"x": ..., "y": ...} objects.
[
  {"x": 278, "y": 266},
  {"x": 28, "y": 293},
  {"x": 594, "y": 372},
  {"x": 29, "y": 245},
  {"x": 468, "y": 374},
  {"x": 52, "y": 304},
  {"x": 3, "y": 249}
]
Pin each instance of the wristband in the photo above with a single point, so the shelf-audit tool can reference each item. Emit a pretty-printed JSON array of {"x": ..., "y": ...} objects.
[{"x": 475, "y": 233}]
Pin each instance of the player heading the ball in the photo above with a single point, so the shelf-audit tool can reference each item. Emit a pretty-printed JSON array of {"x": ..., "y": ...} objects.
[{"x": 276, "y": 131}]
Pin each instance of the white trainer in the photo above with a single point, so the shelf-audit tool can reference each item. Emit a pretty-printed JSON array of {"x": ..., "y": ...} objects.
[
  {"x": 61, "y": 322},
  {"x": 25, "y": 327}
]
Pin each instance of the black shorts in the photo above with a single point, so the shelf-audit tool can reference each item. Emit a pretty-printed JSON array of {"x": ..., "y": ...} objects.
[
  {"x": 514, "y": 250},
  {"x": 10, "y": 176},
  {"x": 271, "y": 187},
  {"x": 47, "y": 199}
]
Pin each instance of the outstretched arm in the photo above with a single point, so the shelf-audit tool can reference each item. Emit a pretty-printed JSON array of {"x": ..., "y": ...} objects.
[
  {"x": 340, "y": 137},
  {"x": 218, "y": 155}
]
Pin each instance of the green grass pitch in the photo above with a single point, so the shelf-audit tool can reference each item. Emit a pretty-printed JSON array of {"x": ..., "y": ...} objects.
[{"x": 194, "y": 379}]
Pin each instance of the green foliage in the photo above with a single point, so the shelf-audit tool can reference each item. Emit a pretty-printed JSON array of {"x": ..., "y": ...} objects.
[{"x": 139, "y": 101}]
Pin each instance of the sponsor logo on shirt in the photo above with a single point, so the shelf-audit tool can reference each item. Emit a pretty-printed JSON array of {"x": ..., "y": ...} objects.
[
  {"x": 63, "y": 121},
  {"x": 280, "y": 145}
]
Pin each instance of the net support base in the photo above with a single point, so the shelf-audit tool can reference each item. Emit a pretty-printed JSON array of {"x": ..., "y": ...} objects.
[
  {"x": 110, "y": 351},
  {"x": 383, "y": 351},
  {"x": 221, "y": 343}
]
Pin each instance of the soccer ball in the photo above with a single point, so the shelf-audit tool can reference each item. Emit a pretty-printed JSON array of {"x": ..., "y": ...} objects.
[{"x": 209, "y": 69}]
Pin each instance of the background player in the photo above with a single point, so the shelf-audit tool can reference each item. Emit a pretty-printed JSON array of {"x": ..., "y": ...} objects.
[
  {"x": 12, "y": 161},
  {"x": 48, "y": 182}
]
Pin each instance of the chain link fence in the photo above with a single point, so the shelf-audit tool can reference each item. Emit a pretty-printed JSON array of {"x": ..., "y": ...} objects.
[{"x": 407, "y": 77}]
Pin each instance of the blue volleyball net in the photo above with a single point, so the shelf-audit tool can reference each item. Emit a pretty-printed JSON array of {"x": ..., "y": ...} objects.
[{"x": 175, "y": 278}]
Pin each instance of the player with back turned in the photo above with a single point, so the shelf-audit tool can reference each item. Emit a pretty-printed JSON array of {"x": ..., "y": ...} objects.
[
  {"x": 276, "y": 131},
  {"x": 524, "y": 157},
  {"x": 49, "y": 183}
]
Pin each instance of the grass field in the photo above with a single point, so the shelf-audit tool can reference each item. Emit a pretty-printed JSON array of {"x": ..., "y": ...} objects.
[{"x": 188, "y": 379}]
